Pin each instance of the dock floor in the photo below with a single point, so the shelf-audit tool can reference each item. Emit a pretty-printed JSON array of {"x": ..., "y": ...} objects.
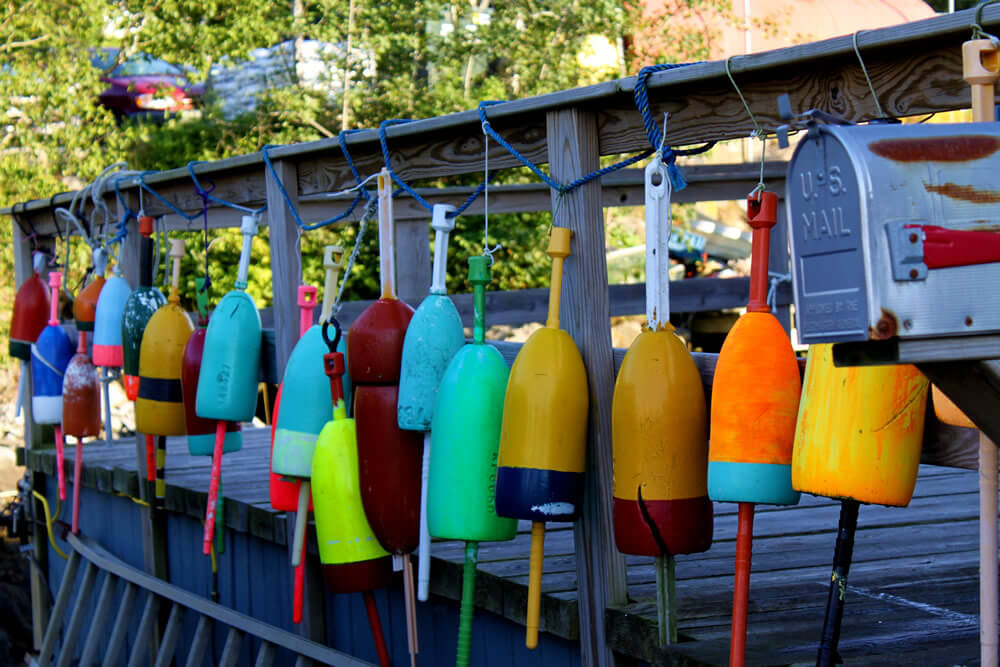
[{"x": 912, "y": 596}]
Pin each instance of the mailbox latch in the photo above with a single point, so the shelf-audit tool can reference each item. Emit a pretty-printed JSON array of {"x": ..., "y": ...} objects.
[{"x": 916, "y": 248}]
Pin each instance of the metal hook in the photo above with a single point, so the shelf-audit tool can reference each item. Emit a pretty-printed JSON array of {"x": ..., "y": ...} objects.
[{"x": 331, "y": 345}]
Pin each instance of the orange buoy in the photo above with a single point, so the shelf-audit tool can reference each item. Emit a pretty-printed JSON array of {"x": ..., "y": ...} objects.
[{"x": 755, "y": 400}]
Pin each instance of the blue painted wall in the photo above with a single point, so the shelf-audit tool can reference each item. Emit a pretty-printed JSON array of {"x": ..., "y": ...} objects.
[{"x": 255, "y": 579}]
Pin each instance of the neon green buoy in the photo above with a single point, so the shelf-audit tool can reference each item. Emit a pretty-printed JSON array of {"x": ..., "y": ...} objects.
[{"x": 465, "y": 436}]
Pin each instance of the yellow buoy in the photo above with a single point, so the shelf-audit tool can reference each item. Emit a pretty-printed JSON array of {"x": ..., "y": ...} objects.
[
  {"x": 859, "y": 431},
  {"x": 159, "y": 409}
]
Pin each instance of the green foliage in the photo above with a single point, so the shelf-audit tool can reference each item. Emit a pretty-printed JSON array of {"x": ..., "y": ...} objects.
[{"x": 431, "y": 58}]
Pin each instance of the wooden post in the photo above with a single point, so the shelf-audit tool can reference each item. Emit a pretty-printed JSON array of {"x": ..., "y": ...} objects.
[
  {"x": 413, "y": 260},
  {"x": 32, "y": 436},
  {"x": 779, "y": 262},
  {"x": 600, "y": 569},
  {"x": 286, "y": 272},
  {"x": 286, "y": 262}
]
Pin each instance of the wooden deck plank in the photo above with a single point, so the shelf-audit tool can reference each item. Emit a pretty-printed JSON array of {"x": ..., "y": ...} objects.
[{"x": 907, "y": 560}]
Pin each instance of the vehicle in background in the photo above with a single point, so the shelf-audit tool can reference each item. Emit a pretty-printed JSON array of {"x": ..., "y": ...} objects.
[{"x": 145, "y": 87}]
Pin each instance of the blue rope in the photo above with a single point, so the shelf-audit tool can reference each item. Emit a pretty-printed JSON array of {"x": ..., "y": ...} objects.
[
  {"x": 350, "y": 161},
  {"x": 162, "y": 200},
  {"x": 361, "y": 196},
  {"x": 669, "y": 156},
  {"x": 207, "y": 194},
  {"x": 128, "y": 214},
  {"x": 552, "y": 183},
  {"x": 405, "y": 187}
]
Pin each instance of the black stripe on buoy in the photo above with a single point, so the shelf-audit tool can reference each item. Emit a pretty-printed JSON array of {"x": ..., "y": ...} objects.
[{"x": 165, "y": 390}]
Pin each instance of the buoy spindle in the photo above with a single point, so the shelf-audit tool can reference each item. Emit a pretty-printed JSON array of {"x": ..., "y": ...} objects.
[
  {"x": 762, "y": 214},
  {"x": 386, "y": 236}
]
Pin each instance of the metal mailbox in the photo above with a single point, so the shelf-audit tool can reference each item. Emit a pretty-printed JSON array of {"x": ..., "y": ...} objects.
[{"x": 895, "y": 238}]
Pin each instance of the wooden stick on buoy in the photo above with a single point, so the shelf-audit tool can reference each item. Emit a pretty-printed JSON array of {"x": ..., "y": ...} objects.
[
  {"x": 981, "y": 69},
  {"x": 659, "y": 426},
  {"x": 227, "y": 382},
  {"x": 81, "y": 412},
  {"x": 433, "y": 337},
  {"x": 543, "y": 439}
]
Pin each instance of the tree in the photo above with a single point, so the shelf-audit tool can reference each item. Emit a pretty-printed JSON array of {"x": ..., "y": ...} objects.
[{"x": 431, "y": 58}]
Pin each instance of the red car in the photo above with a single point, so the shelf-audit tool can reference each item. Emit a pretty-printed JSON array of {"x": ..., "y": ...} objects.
[{"x": 145, "y": 87}]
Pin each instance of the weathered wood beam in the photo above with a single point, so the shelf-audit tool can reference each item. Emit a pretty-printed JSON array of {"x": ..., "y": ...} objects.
[
  {"x": 915, "y": 68},
  {"x": 709, "y": 182},
  {"x": 585, "y": 311}
]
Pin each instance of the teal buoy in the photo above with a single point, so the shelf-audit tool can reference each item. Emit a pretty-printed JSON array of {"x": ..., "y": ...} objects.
[
  {"x": 230, "y": 366},
  {"x": 434, "y": 336},
  {"x": 466, "y": 436}
]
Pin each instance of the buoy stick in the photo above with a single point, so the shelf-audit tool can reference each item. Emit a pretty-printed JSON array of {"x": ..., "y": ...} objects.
[
  {"x": 535, "y": 579},
  {"x": 81, "y": 348},
  {"x": 161, "y": 470},
  {"x": 298, "y": 592},
  {"x": 376, "y": 626},
  {"x": 213, "y": 486},
  {"x": 386, "y": 236},
  {"x": 300, "y": 523},
  {"x": 842, "y": 555},
  {"x": 77, "y": 481},
  {"x": 981, "y": 69},
  {"x": 411, "y": 609},
  {"x": 150, "y": 458},
  {"x": 333, "y": 260},
  {"x": 741, "y": 587},
  {"x": 988, "y": 580},
  {"x": 558, "y": 253},
  {"x": 468, "y": 604},
  {"x": 424, "y": 547},
  {"x": 658, "y": 225},
  {"x": 666, "y": 599},
  {"x": 442, "y": 225},
  {"x": 109, "y": 429},
  {"x": 60, "y": 462}
]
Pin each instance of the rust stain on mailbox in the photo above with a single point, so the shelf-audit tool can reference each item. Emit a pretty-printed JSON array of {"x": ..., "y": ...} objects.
[
  {"x": 964, "y": 193},
  {"x": 960, "y": 148},
  {"x": 885, "y": 328}
]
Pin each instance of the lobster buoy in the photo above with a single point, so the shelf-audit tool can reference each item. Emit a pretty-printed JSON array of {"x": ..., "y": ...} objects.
[
  {"x": 543, "y": 442},
  {"x": 857, "y": 439},
  {"x": 352, "y": 559},
  {"x": 227, "y": 382},
  {"x": 30, "y": 312},
  {"x": 201, "y": 432},
  {"x": 81, "y": 412},
  {"x": 660, "y": 426},
  {"x": 389, "y": 457},
  {"x": 85, "y": 305},
  {"x": 139, "y": 308},
  {"x": 755, "y": 400},
  {"x": 433, "y": 337},
  {"x": 108, "y": 351},
  {"x": 159, "y": 408},
  {"x": 468, "y": 414},
  {"x": 50, "y": 356}
]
